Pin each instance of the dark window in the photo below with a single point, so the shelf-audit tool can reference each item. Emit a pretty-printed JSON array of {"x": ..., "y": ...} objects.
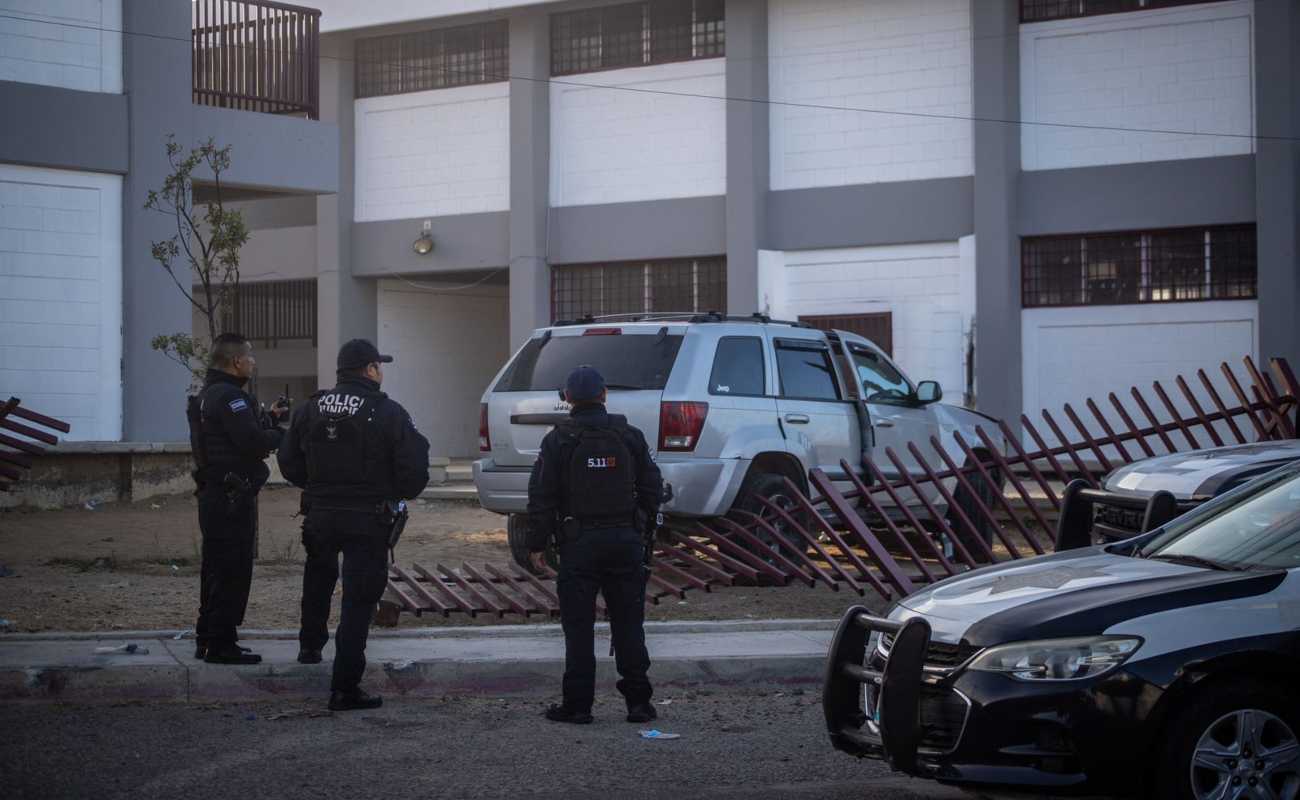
[
  {"x": 805, "y": 369},
  {"x": 1039, "y": 10},
  {"x": 881, "y": 381},
  {"x": 628, "y": 362},
  {"x": 634, "y": 34},
  {"x": 738, "y": 367},
  {"x": 437, "y": 59},
  {"x": 689, "y": 285},
  {"x": 876, "y": 328},
  {"x": 272, "y": 311},
  {"x": 1138, "y": 267}
]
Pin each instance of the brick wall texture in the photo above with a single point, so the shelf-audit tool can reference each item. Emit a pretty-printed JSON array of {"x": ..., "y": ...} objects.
[{"x": 53, "y": 43}]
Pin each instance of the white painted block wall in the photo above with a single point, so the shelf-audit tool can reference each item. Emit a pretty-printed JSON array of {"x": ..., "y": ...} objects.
[
  {"x": 1180, "y": 72},
  {"x": 446, "y": 348},
  {"x": 928, "y": 288},
  {"x": 54, "y": 43},
  {"x": 1072, "y": 354},
  {"x": 61, "y": 297},
  {"x": 436, "y": 153},
  {"x": 909, "y": 57},
  {"x": 612, "y": 146}
]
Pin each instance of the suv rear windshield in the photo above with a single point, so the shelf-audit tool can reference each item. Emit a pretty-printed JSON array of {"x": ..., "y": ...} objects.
[{"x": 628, "y": 362}]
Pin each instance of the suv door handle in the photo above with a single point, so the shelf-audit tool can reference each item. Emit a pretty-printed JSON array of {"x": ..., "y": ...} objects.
[
  {"x": 797, "y": 419},
  {"x": 884, "y": 423}
]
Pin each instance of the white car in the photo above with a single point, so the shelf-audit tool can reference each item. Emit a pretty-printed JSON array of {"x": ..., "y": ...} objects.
[{"x": 731, "y": 407}]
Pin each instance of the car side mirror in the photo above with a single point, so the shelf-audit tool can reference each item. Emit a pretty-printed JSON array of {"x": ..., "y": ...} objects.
[{"x": 928, "y": 392}]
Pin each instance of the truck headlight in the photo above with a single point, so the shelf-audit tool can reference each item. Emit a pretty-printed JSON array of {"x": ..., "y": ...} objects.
[{"x": 1057, "y": 659}]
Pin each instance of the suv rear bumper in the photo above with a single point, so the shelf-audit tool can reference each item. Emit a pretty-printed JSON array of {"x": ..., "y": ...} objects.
[{"x": 702, "y": 487}]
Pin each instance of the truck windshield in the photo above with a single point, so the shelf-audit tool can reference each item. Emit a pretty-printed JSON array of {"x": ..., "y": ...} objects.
[
  {"x": 1254, "y": 527},
  {"x": 628, "y": 361}
]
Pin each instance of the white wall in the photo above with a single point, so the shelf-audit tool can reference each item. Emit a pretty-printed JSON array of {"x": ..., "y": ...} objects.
[
  {"x": 928, "y": 289},
  {"x": 908, "y": 56},
  {"x": 610, "y": 146},
  {"x": 61, "y": 297},
  {"x": 279, "y": 254},
  {"x": 446, "y": 348},
  {"x": 436, "y": 153},
  {"x": 1184, "y": 71},
  {"x": 55, "y": 44},
  {"x": 1072, "y": 354}
]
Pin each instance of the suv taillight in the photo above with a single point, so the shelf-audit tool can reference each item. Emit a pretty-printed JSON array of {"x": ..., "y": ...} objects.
[
  {"x": 680, "y": 425},
  {"x": 484, "y": 443}
]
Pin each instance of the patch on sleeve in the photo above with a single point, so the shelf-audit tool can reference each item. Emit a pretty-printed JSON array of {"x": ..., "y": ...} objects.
[{"x": 238, "y": 405}]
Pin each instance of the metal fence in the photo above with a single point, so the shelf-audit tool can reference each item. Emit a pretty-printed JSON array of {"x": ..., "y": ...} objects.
[
  {"x": 256, "y": 55},
  {"x": 825, "y": 536},
  {"x": 22, "y": 452}
]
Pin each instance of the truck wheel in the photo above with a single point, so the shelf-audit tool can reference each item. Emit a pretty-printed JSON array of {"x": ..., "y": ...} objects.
[
  {"x": 986, "y": 493},
  {"x": 516, "y": 530},
  {"x": 1240, "y": 741},
  {"x": 774, "y": 489}
]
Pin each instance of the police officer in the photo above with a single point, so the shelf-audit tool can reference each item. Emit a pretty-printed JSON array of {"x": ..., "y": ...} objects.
[
  {"x": 352, "y": 450},
  {"x": 592, "y": 476},
  {"x": 230, "y": 437}
]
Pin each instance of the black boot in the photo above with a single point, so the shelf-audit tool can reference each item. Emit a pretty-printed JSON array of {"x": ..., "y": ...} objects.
[
  {"x": 556, "y": 712},
  {"x": 353, "y": 701},
  {"x": 307, "y": 655},
  {"x": 230, "y": 654},
  {"x": 201, "y": 650},
  {"x": 641, "y": 712}
]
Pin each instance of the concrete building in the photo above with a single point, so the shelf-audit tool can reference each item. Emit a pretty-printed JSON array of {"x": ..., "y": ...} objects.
[
  {"x": 1026, "y": 200},
  {"x": 90, "y": 89}
]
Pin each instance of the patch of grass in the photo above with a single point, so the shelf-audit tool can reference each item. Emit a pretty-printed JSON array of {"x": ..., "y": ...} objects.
[
  {"x": 165, "y": 561},
  {"x": 286, "y": 552},
  {"x": 109, "y": 562}
]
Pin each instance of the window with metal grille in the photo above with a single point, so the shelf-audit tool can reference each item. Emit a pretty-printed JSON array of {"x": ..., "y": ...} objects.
[
  {"x": 875, "y": 328},
  {"x": 1040, "y": 10},
  {"x": 689, "y": 285},
  {"x": 635, "y": 34},
  {"x": 1139, "y": 267},
  {"x": 274, "y": 311},
  {"x": 437, "y": 59}
]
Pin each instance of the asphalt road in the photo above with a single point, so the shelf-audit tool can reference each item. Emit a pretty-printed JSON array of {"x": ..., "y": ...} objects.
[{"x": 731, "y": 745}]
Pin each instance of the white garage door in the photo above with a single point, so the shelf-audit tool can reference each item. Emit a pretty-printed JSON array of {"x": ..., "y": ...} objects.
[
  {"x": 61, "y": 297},
  {"x": 446, "y": 348}
]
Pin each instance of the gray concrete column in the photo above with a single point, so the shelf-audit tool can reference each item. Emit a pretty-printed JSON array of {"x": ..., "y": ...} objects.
[
  {"x": 156, "y": 79},
  {"x": 1277, "y": 176},
  {"x": 995, "y": 28},
  {"x": 347, "y": 306},
  {"x": 530, "y": 173},
  {"x": 748, "y": 161}
]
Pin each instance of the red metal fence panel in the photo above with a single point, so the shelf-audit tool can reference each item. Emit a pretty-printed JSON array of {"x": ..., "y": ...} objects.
[{"x": 256, "y": 55}]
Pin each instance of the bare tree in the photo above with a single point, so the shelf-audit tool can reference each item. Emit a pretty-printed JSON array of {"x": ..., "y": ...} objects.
[{"x": 202, "y": 257}]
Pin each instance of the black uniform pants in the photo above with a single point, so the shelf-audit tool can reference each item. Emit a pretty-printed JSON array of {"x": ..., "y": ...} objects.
[
  {"x": 227, "y": 570},
  {"x": 363, "y": 541},
  {"x": 607, "y": 560}
]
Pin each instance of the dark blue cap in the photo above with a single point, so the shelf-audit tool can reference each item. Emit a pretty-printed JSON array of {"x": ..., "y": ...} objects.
[
  {"x": 359, "y": 353},
  {"x": 585, "y": 383}
]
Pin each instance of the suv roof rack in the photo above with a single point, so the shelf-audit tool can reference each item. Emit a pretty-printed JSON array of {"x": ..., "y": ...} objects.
[{"x": 690, "y": 317}]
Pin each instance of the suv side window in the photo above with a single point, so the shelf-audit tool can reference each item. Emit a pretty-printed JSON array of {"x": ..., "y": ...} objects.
[
  {"x": 881, "y": 382},
  {"x": 805, "y": 369},
  {"x": 738, "y": 368}
]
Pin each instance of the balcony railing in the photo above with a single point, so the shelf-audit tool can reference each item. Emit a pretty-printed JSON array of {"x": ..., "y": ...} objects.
[{"x": 257, "y": 55}]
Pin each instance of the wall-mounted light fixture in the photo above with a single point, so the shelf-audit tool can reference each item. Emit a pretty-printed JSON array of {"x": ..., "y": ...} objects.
[{"x": 423, "y": 245}]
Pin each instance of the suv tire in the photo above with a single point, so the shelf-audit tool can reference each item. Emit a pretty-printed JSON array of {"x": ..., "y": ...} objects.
[
  {"x": 986, "y": 493},
  {"x": 1210, "y": 722},
  {"x": 773, "y": 488},
  {"x": 516, "y": 530}
]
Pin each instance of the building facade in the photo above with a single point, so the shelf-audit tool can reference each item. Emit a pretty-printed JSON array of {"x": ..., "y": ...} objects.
[{"x": 1030, "y": 201}]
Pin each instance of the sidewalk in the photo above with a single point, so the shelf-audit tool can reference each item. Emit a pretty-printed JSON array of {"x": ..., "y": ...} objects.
[{"x": 513, "y": 661}]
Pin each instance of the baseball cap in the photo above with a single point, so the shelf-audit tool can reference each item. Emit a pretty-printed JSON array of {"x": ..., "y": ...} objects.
[
  {"x": 359, "y": 353},
  {"x": 584, "y": 383}
]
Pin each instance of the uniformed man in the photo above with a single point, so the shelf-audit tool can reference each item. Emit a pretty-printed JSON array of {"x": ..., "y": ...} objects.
[
  {"x": 230, "y": 437},
  {"x": 353, "y": 451},
  {"x": 594, "y": 473}
]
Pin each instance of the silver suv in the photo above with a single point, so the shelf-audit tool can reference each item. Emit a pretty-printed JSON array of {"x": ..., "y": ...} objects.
[{"x": 729, "y": 405}]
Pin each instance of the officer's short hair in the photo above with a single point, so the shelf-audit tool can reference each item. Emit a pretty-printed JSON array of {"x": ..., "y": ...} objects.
[
  {"x": 227, "y": 346},
  {"x": 352, "y": 372}
]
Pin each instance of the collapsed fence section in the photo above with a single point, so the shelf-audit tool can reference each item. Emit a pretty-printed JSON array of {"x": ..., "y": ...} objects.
[{"x": 22, "y": 451}]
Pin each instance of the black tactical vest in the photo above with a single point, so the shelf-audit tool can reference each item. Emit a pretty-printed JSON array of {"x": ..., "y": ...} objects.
[
  {"x": 336, "y": 438},
  {"x": 602, "y": 478},
  {"x": 214, "y": 450}
]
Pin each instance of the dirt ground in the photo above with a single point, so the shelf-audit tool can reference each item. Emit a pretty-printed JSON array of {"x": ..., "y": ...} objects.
[{"x": 134, "y": 566}]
